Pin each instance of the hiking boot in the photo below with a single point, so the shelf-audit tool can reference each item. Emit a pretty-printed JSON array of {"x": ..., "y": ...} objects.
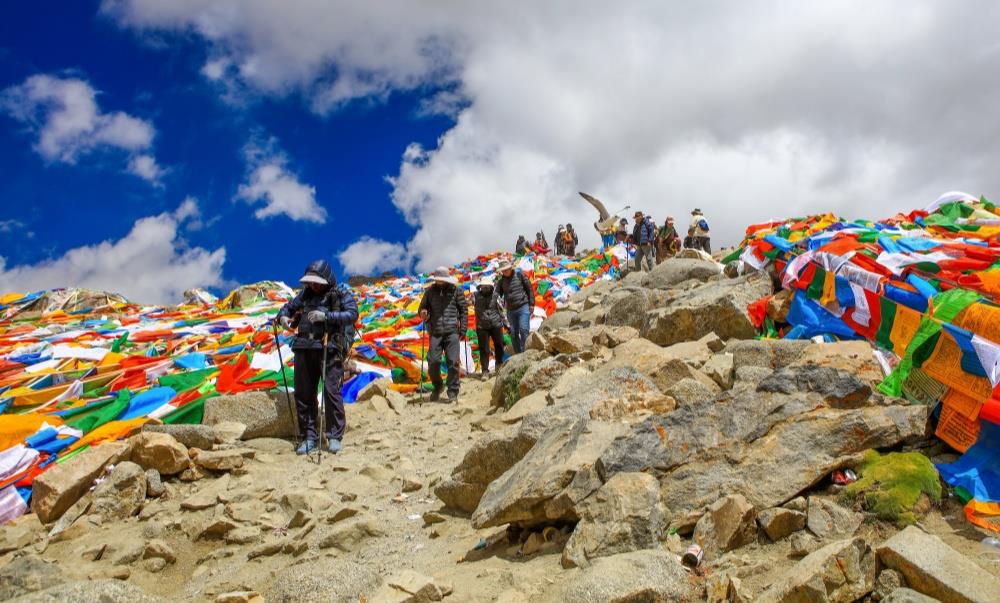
[
  {"x": 306, "y": 447},
  {"x": 485, "y": 375},
  {"x": 452, "y": 397},
  {"x": 436, "y": 394},
  {"x": 333, "y": 445}
]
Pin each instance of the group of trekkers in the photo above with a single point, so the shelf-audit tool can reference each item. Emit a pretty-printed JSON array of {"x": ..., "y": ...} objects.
[
  {"x": 566, "y": 242},
  {"x": 657, "y": 243},
  {"x": 323, "y": 315}
]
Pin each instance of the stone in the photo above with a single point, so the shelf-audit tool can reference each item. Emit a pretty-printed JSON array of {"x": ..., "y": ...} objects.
[
  {"x": 727, "y": 524},
  {"x": 778, "y": 522},
  {"x": 596, "y": 289},
  {"x": 799, "y": 503},
  {"x": 20, "y": 533},
  {"x": 228, "y": 432},
  {"x": 886, "y": 582},
  {"x": 688, "y": 392},
  {"x": 527, "y": 405},
  {"x": 347, "y": 535},
  {"x": 408, "y": 586},
  {"x": 239, "y": 596},
  {"x": 626, "y": 306},
  {"x": 312, "y": 501},
  {"x": 505, "y": 387},
  {"x": 935, "y": 569},
  {"x": 802, "y": 543},
  {"x": 216, "y": 528},
  {"x": 552, "y": 477},
  {"x": 154, "y": 565},
  {"x": 89, "y": 591},
  {"x": 218, "y": 460},
  {"x": 540, "y": 377},
  {"x": 718, "y": 307},
  {"x": 719, "y": 368},
  {"x": 380, "y": 405},
  {"x": 266, "y": 415},
  {"x": 906, "y": 595},
  {"x": 378, "y": 387},
  {"x": 636, "y": 577},
  {"x": 674, "y": 271},
  {"x": 122, "y": 494},
  {"x": 243, "y": 535},
  {"x": 561, "y": 319},
  {"x": 154, "y": 484},
  {"x": 55, "y": 490},
  {"x": 27, "y": 574},
  {"x": 840, "y": 572},
  {"x": 625, "y": 514},
  {"x": 661, "y": 365},
  {"x": 201, "y": 499},
  {"x": 190, "y": 435},
  {"x": 129, "y": 553},
  {"x": 767, "y": 353},
  {"x": 267, "y": 549},
  {"x": 725, "y": 588},
  {"x": 826, "y": 519},
  {"x": 836, "y": 388},
  {"x": 160, "y": 451},
  {"x": 582, "y": 340},
  {"x": 536, "y": 341},
  {"x": 159, "y": 549},
  {"x": 397, "y": 401},
  {"x": 312, "y": 583}
]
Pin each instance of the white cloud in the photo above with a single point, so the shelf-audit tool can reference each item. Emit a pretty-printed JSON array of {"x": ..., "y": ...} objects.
[
  {"x": 151, "y": 264},
  {"x": 270, "y": 181},
  {"x": 64, "y": 115},
  {"x": 371, "y": 256},
  {"x": 747, "y": 110}
]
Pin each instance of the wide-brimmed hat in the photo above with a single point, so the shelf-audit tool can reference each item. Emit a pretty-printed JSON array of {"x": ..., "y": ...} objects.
[
  {"x": 505, "y": 265},
  {"x": 440, "y": 275},
  {"x": 696, "y": 212},
  {"x": 486, "y": 281},
  {"x": 312, "y": 277}
]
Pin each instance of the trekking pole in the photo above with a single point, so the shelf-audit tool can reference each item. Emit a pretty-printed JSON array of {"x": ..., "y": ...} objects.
[
  {"x": 321, "y": 403},
  {"x": 423, "y": 358},
  {"x": 284, "y": 379}
]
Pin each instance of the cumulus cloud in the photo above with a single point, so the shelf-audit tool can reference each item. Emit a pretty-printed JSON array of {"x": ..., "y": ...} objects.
[
  {"x": 64, "y": 115},
  {"x": 270, "y": 181},
  {"x": 747, "y": 110},
  {"x": 151, "y": 264},
  {"x": 371, "y": 256}
]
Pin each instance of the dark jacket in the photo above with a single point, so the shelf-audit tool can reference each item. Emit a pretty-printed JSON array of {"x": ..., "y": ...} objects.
[
  {"x": 521, "y": 247},
  {"x": 644, "y": 232},
  {"x": 341, "y": 311},
  {"x": 487, "y": 309},
  {"x": 449, "y": 313},
  {"x": 516, "y": 291}
]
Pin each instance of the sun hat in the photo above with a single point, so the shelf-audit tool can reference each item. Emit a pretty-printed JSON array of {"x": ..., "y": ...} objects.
[
  {"x": 440, "y": 275},
  {"x": 505, "y": 265},
  {"x": 312, "y": 277},
  {"x": 696, "y": 212},
  {"x": 486, "y": 281}
]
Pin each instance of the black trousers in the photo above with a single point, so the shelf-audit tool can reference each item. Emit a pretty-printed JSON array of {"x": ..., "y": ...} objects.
[
  {"x": 703, "y": 243},
  {"x": 448, "y": 345},
  {"x": 485, "y": 335},
  {"x": 308, "y": 371}
]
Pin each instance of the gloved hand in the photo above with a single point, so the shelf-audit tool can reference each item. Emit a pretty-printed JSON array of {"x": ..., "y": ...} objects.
[
  {"x": 316, "y": 316},
  {"x": 284, "y": 321}
]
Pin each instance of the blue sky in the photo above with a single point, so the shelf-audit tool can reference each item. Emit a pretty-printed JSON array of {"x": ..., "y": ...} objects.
[
  {"x": 149, "y": 146},
  {"x": 199, "y": 142}
]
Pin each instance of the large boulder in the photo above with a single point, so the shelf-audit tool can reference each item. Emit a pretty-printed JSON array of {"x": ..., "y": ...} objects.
[
  {"x": 28, "y": 574},
  {"x": 933, "y": 568},
  {"x": 55, "y": 490},
  {"x": 766, "y": 446},
  {"x": 505, "y": 387},
  {"x": 625, "y": 514},
  {"x": 627, "y": 306},
  {"x": 663, "y": 367},
  {"x": 727, "y": 524},
  {"x": 841, "y": 572},
  {"x": 597, "y": 289},
  {"x": 122, "y": 494},
  {"x": 312, "y": 583},
  {"x": 159, "y": 451},
  {"x": 718, "y": 306},
  {"x": 766, "y": 353},
  {"x": 674, "y": 271},
  {"x": 561, "y": 319},
  {"x": 838, "y": 388},
  {"x": 188, "y": 434},
  {"x": 266, "y": 415},
  {"x": 540, "y": 377},
  {"x": 636, "y": 577},
  {"x": 552, "y": 478},
  {"x": 779, "y": 522},
  {"x": 577, "y": 341}
]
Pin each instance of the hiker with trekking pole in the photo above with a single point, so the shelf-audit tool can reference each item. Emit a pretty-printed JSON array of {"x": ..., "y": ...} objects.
[
  {"x": 323, "y": 316},
  {"x": 446, "y": 316}
]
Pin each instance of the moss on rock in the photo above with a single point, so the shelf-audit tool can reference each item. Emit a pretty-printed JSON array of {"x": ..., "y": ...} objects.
[{"x": 895, "y": 486}]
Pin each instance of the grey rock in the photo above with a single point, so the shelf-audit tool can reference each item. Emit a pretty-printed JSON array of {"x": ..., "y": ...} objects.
[
  {"x": 751, "y": 375},
  {"x": 674, "y": 271},
  {"x": 266, "y": 415},
  {"x": 154, "y": 484},
  {"x": 803, "y": 543},
  {"x": 778, "y": 522},
  {"x": 842, "y": 572},
  {"x": 837, "y": 388},
  {"x": 933, "y": 568},
  {"x": 505, "y": 387},
  {"x": 28, "y": 574},
  {"x": 625, "y": 514},
  {"x": 727, "y": 524},
  {"x": 720, "y": 369},
  {"x": 826, "y": 519},
  {"x": 191, "y": 435},
  {"x": 536, "y": 341},
  {"x": 541, "y": 376},
  {"x": 219, "y": 460},
  {"x": 689, "y": 392},
  {"x": 577, "y": 341},
  {"x": 378, "y": 387},
  {"x": 347, "y": 535},
  {"x": 886, "y": 582},
  {"x": 595, "y": 289},
  {"x": 89, "y": 591},
  {"x": 626, "y": 306},
  {"x": 636, "y": 577},
  {"x": 906, "y": 595},
  {"x": 561, "y": 319},
  {"x": 715, "y": 307},
  {"x": 766, "y": 353},
  {"x": 310, "y": 582},
  {"x": 122, "y": 494},
  {"x": 663, "y": 367},
  {"x": 20, "y": 533}
]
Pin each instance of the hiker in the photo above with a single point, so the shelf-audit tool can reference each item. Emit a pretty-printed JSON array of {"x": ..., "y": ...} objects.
[
  {"x": 489, "y": 325},
  {"x": 666, "y": 240},
  {"x": 698, "y": 231},
  {"x": 607, "y": 235},
  {"x": 644, "y": 235},
  {"x": 560, "y": 249},
  {"x": 519, "y": 299},
  {"x": 521, "y": 247},
  {"x": 321, "y": 309},
  {"x": 570, "y": 241},
  {"x": 621, "y": 233},
  {"x": 540, "y": 246},
  {"x": 446, "y": 315}
]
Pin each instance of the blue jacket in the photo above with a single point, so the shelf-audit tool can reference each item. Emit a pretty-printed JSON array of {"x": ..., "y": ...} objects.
[
  {"x": 337, "y": 303},
  {"x": 644, "y": 232}
]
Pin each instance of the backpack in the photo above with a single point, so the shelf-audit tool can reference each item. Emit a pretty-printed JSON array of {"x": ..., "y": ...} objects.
[
  {"x": 343, "y": 338},
  {"x": 702, "y": 224}
]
